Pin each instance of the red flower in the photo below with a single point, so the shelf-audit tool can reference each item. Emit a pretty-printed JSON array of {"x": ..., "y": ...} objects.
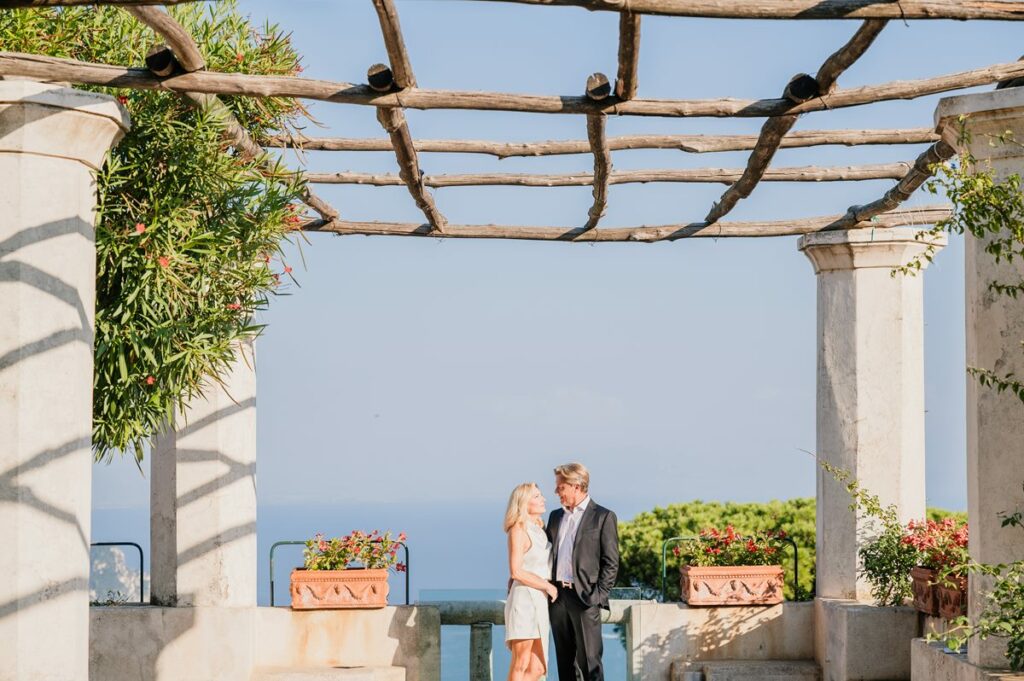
[
  {"x": 239, "y": 57},
  {"x": 676, "y": 551},
  {"x": 400, "y": 567},
  {"x": 150, "y": 380},
  {"x": 233, "y": 306},
  {"x": 123, "y": 100},
  {"x": 287, "y": 269},
  {"x": 139, "y": 228},
  {"x": 164, "y": 262},
  {"x": 401, "y": 536}
]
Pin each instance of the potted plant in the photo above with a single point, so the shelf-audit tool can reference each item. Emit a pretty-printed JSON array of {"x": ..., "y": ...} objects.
[
  {"x": 939, "y": 581},
  {"x": 346, "y": 572},
  {"x": 720, "y": 567}
]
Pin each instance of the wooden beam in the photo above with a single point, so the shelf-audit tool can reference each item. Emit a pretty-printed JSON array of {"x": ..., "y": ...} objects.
[
  {"x": 602, "y": 169},
  {"x": 598, "y": 88},
  {"x": 922, "y": 169},
  {"x": 393, "y": 118},
  {"x": 629, "y": 55},
  {"x": 71, "y": 71},
  {"x": 188, "y": 56},
  {"x": 881, "y": 171},
  {"x": 695, "y": 144},
  {"x": 920, "y": 216},
  {"x": 393, "y": 121},
  {"x": 391, "y": 29},
  {"x": 185, "y": 49},
  {"x": 1010, "y": 10},
  {"x": 775, "y": 128}
]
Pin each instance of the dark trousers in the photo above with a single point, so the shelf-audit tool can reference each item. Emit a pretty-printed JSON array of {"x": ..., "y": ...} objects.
[{"x": 577, "y": 632}]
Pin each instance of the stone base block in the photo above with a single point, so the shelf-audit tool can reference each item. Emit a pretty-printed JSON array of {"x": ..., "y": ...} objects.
[
  {"x": 931, "y": 663},
  {"x": 668, "y": 636},
  {"x": 331, "y": 674},
  {"x": 149, "y": 643},
  {"x": 859, "y": 642}
]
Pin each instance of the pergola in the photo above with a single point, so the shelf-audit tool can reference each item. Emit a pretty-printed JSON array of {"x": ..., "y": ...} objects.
[
  {"x": 178, "y": 66},
  {"x": 870, "y": 417}
]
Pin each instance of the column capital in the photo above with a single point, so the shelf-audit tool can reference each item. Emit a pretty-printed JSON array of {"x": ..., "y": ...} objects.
[
  {"x": 867, "y": 247},
  {"x": 985, "y": 116},
  {"x": 34, "y": 119}
]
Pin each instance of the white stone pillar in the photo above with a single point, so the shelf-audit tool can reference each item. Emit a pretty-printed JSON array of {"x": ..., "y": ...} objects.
[
  {"x": 995, "y": 328},
  {"x": 52, "y": 139},
  {"x": 870, "y": 415},
  {"x": 203, "y": 497}
]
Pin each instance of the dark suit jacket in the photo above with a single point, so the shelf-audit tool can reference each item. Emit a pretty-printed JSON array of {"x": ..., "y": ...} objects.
[{"x": 595, "y": 554}]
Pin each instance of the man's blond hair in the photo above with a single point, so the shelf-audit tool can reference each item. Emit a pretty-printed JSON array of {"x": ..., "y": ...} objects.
[{"x": 574, "y": 474}]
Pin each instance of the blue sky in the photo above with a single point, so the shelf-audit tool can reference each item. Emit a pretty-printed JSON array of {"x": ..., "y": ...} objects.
[{"x": 431, "y": 371}]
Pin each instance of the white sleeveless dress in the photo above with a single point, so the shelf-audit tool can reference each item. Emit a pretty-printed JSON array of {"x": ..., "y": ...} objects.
[{"x": 526, "y": 610}]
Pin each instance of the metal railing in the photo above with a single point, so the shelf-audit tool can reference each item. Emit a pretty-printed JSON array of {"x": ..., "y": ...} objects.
[
  {"x": 405, "y": 550},
  {"x": 482, "y": 616},
  {"x": 691, "y": 537},
  {"x": 142, "y": 575}
]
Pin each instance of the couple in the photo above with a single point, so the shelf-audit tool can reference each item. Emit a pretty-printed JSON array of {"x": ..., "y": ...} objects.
[{"x": 561, "y": 574}]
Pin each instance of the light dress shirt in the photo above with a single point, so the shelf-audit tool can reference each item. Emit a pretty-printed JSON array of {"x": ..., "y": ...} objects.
[{"x": 566, "y": 538}]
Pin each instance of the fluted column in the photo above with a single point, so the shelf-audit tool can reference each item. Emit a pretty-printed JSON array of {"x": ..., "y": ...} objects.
[{"x": 52, "y": 139}]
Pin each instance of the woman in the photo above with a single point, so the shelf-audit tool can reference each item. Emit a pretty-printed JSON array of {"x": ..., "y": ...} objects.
[{"x": 529, "y": 561}]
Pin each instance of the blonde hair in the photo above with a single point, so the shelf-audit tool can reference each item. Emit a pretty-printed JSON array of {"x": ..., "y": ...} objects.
[
  {"x": 519, "y": 504},
  {"x": 574, "y": 474}
]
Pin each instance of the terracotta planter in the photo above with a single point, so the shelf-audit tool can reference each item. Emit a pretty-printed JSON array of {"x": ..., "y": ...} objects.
[
  {"x": 952, "y": 599},
  {"x": 741, "y": 585},
  {"x": 925, "y": 593},
  {"x": 334, "y": 589}
]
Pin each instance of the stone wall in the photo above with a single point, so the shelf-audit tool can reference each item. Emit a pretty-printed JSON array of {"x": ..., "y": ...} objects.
[{"x": 226, "y": 644}]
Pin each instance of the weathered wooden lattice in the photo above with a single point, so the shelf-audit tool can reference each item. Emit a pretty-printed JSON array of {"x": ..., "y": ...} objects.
[{"x": 178, "y": 66}]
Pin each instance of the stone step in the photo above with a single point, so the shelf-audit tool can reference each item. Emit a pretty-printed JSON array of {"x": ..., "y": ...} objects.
[
  {"x": 746, "y": 670},
  {"x": 329, "y": 674}
]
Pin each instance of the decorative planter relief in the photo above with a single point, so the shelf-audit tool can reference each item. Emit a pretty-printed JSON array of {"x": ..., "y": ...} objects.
[
  {"x": 938, "y": 600},
  {"x": 336, "y": 589},
  {"x": 740, "y": 585}
]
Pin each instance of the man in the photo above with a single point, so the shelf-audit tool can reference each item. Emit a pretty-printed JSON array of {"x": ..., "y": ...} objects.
[{"x": 585, "y": 550}]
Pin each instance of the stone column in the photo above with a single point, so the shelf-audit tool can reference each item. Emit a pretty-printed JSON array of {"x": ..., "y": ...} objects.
[
  {"x": 870, "y": 416},
  {"x": 995, "y": 329},
  {"x": 52, "y": 139},
  {"x": 203, "y": 497}
]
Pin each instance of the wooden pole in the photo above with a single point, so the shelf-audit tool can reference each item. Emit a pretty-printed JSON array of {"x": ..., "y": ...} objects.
[
  {"x": 602, "y": 169},
  {"x": 393, "y": 118},
  {"x": 922, "y": 169},
  {"x": 695, "y": 144},
  {"x": 395, "y": 43},
  {"x": 82, "y": 73},
  {"x": 775, "y": 128},
  {"x": 921, "y": 216},
  {"x": 882, "y": 171},
  {"x": 190, "y": 59},
  {"x": 1009, "y": 10},
  {"x": 629, "y": 56}
]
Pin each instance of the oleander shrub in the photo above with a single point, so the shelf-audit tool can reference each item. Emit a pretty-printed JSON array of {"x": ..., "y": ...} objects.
[{"x": 188, "y": 232}]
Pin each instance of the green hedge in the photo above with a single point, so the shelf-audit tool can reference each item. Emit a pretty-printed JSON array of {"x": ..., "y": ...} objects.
[{"x": 641, "y": 539}]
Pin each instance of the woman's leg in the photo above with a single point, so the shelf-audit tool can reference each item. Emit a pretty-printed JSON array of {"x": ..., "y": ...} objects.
[
  {"x": 538, "y": 665},
  {"x": 521, "y": 650}
]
